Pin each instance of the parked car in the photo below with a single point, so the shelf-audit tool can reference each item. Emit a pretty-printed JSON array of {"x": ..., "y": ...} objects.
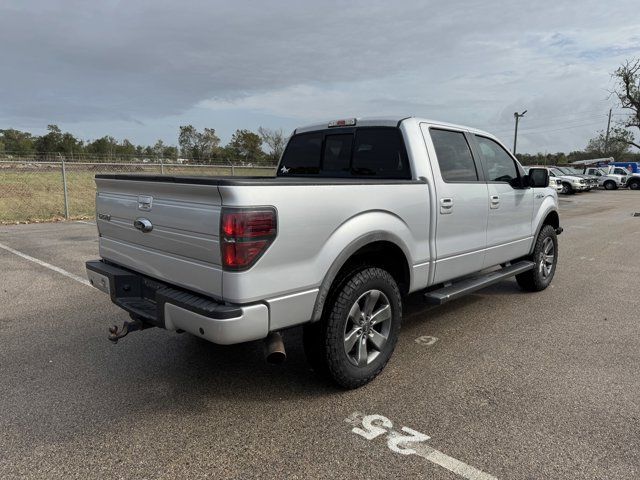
[
  {"x": 632, "y": 167},
  {"x": 361, "y": 213},
  {"x": 592, "y": 182},
  {"x": 633, "y": 179},
  {"x": 570, "y": 183},
  {"x": 609, "y": 181}
]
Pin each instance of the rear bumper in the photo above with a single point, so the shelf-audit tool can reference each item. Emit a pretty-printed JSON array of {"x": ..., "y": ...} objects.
[{"x": 166, "y": 306}]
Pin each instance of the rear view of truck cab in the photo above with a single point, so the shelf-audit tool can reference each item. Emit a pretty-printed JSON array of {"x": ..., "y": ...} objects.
[{"x": 362, "y": 212}]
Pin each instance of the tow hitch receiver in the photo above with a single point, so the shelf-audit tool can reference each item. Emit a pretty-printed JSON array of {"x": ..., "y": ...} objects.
[{"x": 116, "y": 333}]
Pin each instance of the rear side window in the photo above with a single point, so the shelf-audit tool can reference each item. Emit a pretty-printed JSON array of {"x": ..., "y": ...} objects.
[
  {"x": 379, "y": 152},
  {"x": 497, "y": 163},
  {"x": 454, "y": 156},
  {"x": 376, "y": 152},
  {"x": 303, "y": 154}
]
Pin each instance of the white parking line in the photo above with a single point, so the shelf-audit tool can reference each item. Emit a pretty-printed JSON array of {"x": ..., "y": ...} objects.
[
  {"x": 83, "y": 281},
  {"x": 374, "y": 426}
]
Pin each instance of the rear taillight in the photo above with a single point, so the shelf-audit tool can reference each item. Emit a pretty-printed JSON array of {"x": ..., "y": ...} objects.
[{"x": 245, "y": 234}]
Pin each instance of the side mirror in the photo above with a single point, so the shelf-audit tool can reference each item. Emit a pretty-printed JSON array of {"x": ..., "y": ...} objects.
[
  {"x": 538, "y": 177},
  {"x": 520, "y": 183}
]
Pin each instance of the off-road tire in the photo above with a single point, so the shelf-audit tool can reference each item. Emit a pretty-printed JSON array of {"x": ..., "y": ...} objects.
[
  {"x": 567, "y": 189},
  {"x": 634, "y": 184},
  {"x": 534, "y": 280},
  {"x": 610, "y": 185},
  {"x": 324, "y": 340}
]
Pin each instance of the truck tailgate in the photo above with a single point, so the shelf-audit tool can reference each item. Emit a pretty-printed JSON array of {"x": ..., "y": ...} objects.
[{"x": 182, "y": 247}]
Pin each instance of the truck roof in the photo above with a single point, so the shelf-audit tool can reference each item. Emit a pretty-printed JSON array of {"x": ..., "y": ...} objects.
[{"x": 388, "y": 121}]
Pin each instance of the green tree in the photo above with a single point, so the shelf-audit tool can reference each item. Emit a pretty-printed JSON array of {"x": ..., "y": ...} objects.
[
  {"x": 51, "y": 141},
  {"x": 170, "y": 151},
  {"x": 16, "y": 141},
  {"x": 70, "y": 144},
  {"x": 158, "y": 148},
  {"x": 188, "y": 139},
  {"x": 245, "y": 146},
  {"x": 198, "y": 145},
  {"x": 103, "y": 146},
  {"x": 126, "y": 148},
  {"x": 620, "y": 141}
]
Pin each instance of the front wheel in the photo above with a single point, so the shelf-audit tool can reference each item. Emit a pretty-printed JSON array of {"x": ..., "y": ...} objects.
[
  {"x": 545, "y": 258},
  {"x": 359, "y": 329},
  {"x": 610, "y": 185},
  {"x": 567, "y": 189}
]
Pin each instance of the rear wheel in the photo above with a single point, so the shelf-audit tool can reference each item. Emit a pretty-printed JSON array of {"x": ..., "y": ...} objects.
[
  {"x": 634, "y": 184},
  {"x": 610, "y": 185},
  {"x": 545, "y": 258},
  {"x": 359, "y": 329}
]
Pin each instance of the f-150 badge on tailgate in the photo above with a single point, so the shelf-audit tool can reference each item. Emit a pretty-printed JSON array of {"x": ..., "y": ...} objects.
[{"x": 145, "y": 202}]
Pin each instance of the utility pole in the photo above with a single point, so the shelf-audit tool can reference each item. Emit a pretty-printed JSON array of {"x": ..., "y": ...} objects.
[
  {"x": 606, "y": 138},
  {"x": 517, "y": 116}
]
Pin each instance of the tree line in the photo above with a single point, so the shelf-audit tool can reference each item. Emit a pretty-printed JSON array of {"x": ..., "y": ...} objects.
[
  {"x": 245, "y": 146},
  {"x": 266, "y": 146}
]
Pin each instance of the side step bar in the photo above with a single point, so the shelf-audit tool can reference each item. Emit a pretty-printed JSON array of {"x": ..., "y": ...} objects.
[{"x": 470, "y": 285}]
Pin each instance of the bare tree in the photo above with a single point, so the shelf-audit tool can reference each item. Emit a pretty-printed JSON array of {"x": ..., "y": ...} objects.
[
  {"x": 275, "y": 140},
  {"x": 627, "y": 90}
]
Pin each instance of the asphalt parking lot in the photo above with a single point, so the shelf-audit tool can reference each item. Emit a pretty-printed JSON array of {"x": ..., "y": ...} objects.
[{"x": 506, "y": 384}]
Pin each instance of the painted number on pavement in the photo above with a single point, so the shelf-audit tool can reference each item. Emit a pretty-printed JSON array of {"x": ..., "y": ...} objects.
[{"x": 410, "y": 442}]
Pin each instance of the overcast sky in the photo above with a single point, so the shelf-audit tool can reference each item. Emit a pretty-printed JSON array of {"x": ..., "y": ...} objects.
[{"x": 139, "y": 69}]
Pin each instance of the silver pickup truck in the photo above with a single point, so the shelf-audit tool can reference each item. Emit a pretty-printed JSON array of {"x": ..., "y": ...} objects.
[{"x": 362, "y": 212}]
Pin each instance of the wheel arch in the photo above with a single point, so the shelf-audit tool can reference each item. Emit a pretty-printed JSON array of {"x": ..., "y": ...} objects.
[
  {"x": 381, "y": 249},
  {"x": 549, "y": 217}
]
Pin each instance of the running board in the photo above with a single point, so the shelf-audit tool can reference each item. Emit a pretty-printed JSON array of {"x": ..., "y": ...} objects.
[{"x": 470, "y": 285}]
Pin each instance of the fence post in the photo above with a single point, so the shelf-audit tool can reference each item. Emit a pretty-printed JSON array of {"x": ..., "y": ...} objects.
[
  {"x": 161, "y": 166},
  {"x": 64, "y": 188},
  {"x": 233, "y": 167}
]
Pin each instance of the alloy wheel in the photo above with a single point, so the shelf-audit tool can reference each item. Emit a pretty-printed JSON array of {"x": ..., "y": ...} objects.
[
  {"x": 367, "y": 328},
  {"x": 547, "y": 257}
]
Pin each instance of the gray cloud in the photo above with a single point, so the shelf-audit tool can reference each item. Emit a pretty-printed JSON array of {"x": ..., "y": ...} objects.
[{"x": 474, "y": 62}]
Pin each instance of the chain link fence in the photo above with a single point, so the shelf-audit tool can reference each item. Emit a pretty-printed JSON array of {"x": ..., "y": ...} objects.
[{"x": 35, "y": 190}]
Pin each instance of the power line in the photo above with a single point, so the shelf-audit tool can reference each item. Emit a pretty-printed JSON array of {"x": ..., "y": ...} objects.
[
  {"x": 536, "y": 132},
  {"x": 556, "y": 117},
  {"x": 546, "y": 125}
]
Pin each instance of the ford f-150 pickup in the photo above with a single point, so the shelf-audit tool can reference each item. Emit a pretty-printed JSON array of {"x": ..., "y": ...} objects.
[{"x": 362, "y": 213}]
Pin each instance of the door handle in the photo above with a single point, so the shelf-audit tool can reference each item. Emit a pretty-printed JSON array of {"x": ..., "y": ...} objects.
[
  {"x": 495, "y": 201},
  {"x": 446, "y": 205}
]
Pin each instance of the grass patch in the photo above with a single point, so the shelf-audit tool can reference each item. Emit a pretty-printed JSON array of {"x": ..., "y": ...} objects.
[{"x": 35, "y": 194}]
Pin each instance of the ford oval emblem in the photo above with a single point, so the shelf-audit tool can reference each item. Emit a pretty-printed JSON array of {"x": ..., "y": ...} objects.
[{"x": 143, "y": 224}]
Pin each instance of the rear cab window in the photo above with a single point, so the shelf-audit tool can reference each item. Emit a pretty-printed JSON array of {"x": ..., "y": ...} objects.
[{"x": 359, "y": 152}]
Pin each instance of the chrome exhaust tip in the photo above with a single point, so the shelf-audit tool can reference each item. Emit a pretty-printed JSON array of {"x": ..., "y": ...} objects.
[{"x": 274, "y": 351}]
